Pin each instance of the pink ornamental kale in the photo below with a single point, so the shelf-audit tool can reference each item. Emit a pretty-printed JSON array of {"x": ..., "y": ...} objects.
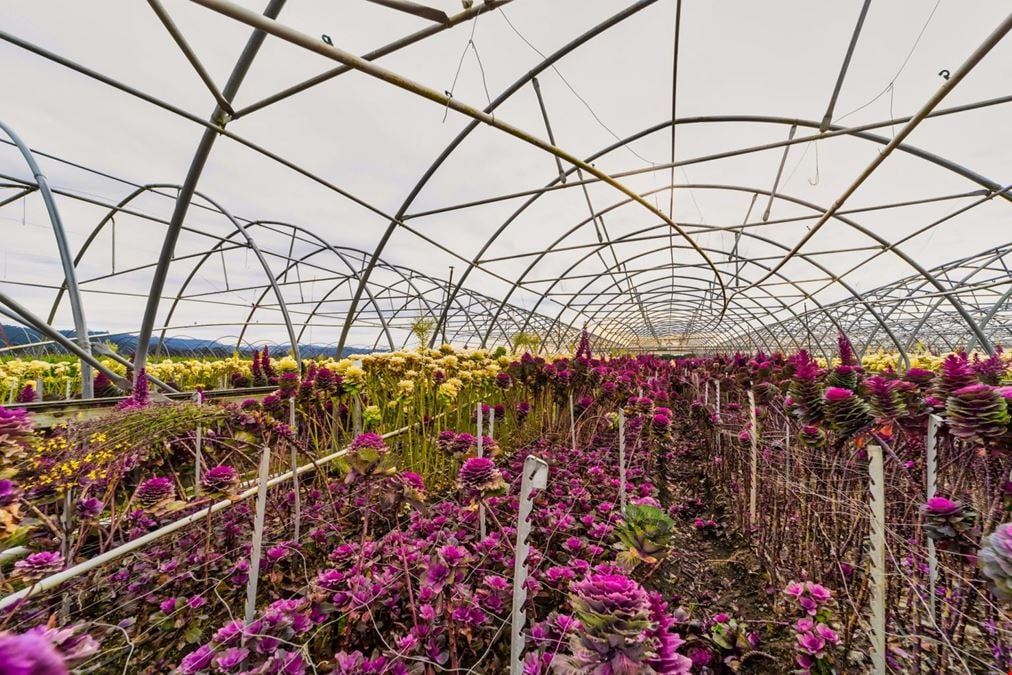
[
  {"x": 38, "y": 565},
  {"x": 946, "y": 520},
  {"x": 479, "y": 475},
  {"x": 27, "y": 394},
  {"x": 954, "y": 373},
  {"x": 996, "y": 561},
  {"x": 805, "y": 390},
  {"x": 846, "y": 413},
  {"x": 221, "y": 478},
  {"x": 15, "y": 434},
  {"x": 140, "y": 397},
  {"x": 978, "y": 412},
  {"x": 884, "y": 398},
  {"x": 847, "y": 357},
  {"x": 625, "y": 632},
  {"x": 366, "y": 452},
  {"x": 30, "y": 653},
  {"x": 155, "y": 490}
]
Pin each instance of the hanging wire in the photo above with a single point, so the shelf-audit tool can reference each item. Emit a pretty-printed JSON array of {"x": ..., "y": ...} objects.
[{"x": 903, "y": 65}]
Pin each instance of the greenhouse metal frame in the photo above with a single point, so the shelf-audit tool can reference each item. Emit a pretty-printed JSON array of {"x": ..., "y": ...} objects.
[{"x": 702, "y": 298}]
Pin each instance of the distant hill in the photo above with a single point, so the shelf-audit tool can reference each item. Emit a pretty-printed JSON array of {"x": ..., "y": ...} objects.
[{"x": 13, "y": 336}]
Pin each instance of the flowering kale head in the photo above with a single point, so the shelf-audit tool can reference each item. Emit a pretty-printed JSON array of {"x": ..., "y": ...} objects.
[
  {"x": 38, "y": 565},
  {"x": 30, "y": 653},
  {"x": 153, "y": 491},
  {"x": 480, "y": 476},
  {"x": 366, "y": 452},
  {"x": 846, "y": 413},
  {"x": 996, "y": 561},
  {"x": 646, "y": 533},
  {"x": 222, "y": 478},
  {"x": 977, "y": 412}
]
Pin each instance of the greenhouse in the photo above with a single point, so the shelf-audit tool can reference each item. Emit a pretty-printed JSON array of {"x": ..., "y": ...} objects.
[{"x": 499, "y": 336}]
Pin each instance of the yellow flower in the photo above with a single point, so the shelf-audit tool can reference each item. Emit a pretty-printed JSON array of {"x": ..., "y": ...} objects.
[{"x": 287, "y": 364}]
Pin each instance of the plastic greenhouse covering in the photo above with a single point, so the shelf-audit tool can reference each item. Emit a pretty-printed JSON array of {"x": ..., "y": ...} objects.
[
  {"x": 407, "y": 337},
  {"x": 674, "y": 185}
]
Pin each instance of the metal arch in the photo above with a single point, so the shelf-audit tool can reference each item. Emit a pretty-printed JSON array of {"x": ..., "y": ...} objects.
[
  {"x": 934, "y": 305},
  {"x": 744, "y": 233},
  {"x": 63, "y": 247},
  {"x": 991, "y": 313},
  {"x": 91, "y": 237},
  {"x": 307, "y": 42},
  {"x": 950, "y": 83},
  {"x": 337, "y": 250},
  {"x": 263, "y": 262},
  {"x": 617, "y": 312},
  {"x": 471, "y": 126},
  {"x": 592, "y": 317},
  {"x": 119, "y": 208},
  {"x": 218, "y": 118},
  {"x": 407, "y": 279},
  {"x": 837, "y": 130},
  {"x": 614, "y": 317},
  {"x": 897, "y": 294},
  {"x": 292, "y": 265},
  {"x": 922, "y": 284},
  {"x": 152, "y": 187}
]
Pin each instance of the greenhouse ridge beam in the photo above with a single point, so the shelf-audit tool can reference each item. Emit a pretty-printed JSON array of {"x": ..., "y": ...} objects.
[
  {"x": 397, "y": 45},
  {"x": 473, "y": 124}
]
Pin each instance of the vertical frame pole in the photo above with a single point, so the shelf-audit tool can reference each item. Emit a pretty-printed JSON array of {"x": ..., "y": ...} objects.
[
  {"x": 198, "y": 449},
  {"x": 535, "y": 477},
  {"x": 877, "y": 553},
  {"x": 297, "y": 515},
  {"x": 258, "y": 535},
  {"x": 753, "y": 490},
  {"x": 481, "y": 453},
  {"x": 931, "y": 480},
  {"x": 621, "y": 459}
]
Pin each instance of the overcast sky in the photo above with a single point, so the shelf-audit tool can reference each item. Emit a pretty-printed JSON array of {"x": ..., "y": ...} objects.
[{"x": 767, "y": 59}]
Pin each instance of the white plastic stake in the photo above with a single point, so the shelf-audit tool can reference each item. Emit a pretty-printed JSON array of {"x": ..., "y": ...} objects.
[
  {"x": 481, "y": 453},
  {"x": 621, "y": 459},
  {"x": 535, "y": 477},
  {"x": 297, "y": 516},
  {"x": 706, "y": 393},
  {"x": 38, "y": 388},
  {"x": 753, "y": 460},
  {"x": 198, "y": 449},
  {"x": 258, "y": 535},
  {"x": 491, "y": 424},
  {"x": 877, "y": 554},
  {"x": 931, "y": 478},
  {"x": 719, "y": 430},
  {"x": 66, "y": 390}
]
